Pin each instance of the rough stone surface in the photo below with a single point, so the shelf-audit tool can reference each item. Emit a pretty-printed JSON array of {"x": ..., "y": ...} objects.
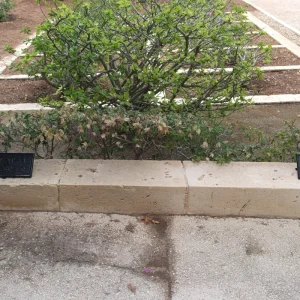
[
  {"x": 37, "y": 193},
  {"x": 70, "y": 256},
  {"x": 230, "y": 259},
  {"x": 160, "y": 187},
  {"x": 123, "y": 187},
  {"x": 243, "y": 189}
]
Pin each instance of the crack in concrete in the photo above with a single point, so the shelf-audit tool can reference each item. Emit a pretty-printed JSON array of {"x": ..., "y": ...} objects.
[
  {"x": 244, "y": 206},
  {"x": 169, "y": 246}
]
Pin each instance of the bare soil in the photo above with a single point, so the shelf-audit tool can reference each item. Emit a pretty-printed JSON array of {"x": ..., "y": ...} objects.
[
  {"x": 240, "y": 3},
  {"x": 265, "y": 39},
  {"x": 29, "y": 91},
  {"x": 23, "y": 91},
  {"x": 281, "y": 57},
  {"x": 269, "y": 118},
  {"x": 274, "y": 83},
  {"x": 25, "y": 13}
]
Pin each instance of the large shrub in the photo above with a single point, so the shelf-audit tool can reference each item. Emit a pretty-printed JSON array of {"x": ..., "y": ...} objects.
[
  {"x": 137, "y": 54},
  {"x": 5, "y": 7}
]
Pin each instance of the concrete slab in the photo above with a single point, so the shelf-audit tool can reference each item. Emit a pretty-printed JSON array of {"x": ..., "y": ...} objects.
[
  {"x": 37, "y": 193},
  {"x": 230, "y": 259},
  {"x": 82, "y": 256},
  {"x": 69, "y": 256},
  {"x": 123, "y": 187},
  {"x": 243, "y": 189}
]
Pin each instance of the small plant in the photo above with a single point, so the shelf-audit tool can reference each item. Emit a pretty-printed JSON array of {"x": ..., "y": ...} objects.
[
  {"x": 281, "y": 146},
  {"x": 8, "y": 48},
  {"x": 26, "y": 30},
  {"x": 114, "y": 133},
  {"x": 5, "y": 7}
]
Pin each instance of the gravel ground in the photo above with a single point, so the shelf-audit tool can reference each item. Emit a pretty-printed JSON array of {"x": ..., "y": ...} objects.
[{"x": 280, "y": 28}]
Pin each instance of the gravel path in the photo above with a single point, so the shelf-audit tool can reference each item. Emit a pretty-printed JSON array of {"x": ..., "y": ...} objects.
[
  {"x": 277, "y": 26},
  {"x": 288, "y": 14}
]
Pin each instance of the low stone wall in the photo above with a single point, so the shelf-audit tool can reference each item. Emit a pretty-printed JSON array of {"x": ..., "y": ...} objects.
[{"x": 156, "y": 187}]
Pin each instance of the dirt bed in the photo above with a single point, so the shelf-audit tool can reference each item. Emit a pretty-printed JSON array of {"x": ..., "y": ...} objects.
[
  {"x": 274, "y": 83},
  {"x": 269, "y": 118},
  {"x": 23, "y": 91},
  {"x": 26, "y": 13},
  {"x": 240, "y": 3},
  {"x": 29, "y": 91},
  {"x": 265, "y": 39},
  {"x": 281, "y": 57}
]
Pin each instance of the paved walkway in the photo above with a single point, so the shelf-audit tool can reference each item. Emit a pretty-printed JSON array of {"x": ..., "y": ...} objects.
[
  {"x": 287, "y": 11},
  {"x": 88, "y": 256}
]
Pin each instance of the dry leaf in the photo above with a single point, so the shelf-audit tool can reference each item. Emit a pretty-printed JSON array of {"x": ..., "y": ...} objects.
[
  {"x": 155, "y": 221},
  {"x": 148, "y": 220},
  {"x": 132, "y": 288}
]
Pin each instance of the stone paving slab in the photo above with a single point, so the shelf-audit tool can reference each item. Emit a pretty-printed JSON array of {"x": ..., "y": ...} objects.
[
  {"x": 81, "y": 256},
  {"x": 230, "y": 259},
  {"x": 68, "y": 256}
]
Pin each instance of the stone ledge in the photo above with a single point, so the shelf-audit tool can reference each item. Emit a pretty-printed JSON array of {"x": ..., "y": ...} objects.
[
  {"x": 243, "y": 189},
  {"x": 39, "y": 193},
  {"x": 157, "y": 187},
  {"x": 130, "y": 187}
]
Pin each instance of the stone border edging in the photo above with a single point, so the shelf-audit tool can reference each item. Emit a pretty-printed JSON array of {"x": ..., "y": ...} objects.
[
  {"x": 295, "y": 49},
  {"x": 261, "y": 99},
  {"x": 8, "y": 60},
  {"x": 156, "y": 187},
  {"x": 180, "y": 71}
]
